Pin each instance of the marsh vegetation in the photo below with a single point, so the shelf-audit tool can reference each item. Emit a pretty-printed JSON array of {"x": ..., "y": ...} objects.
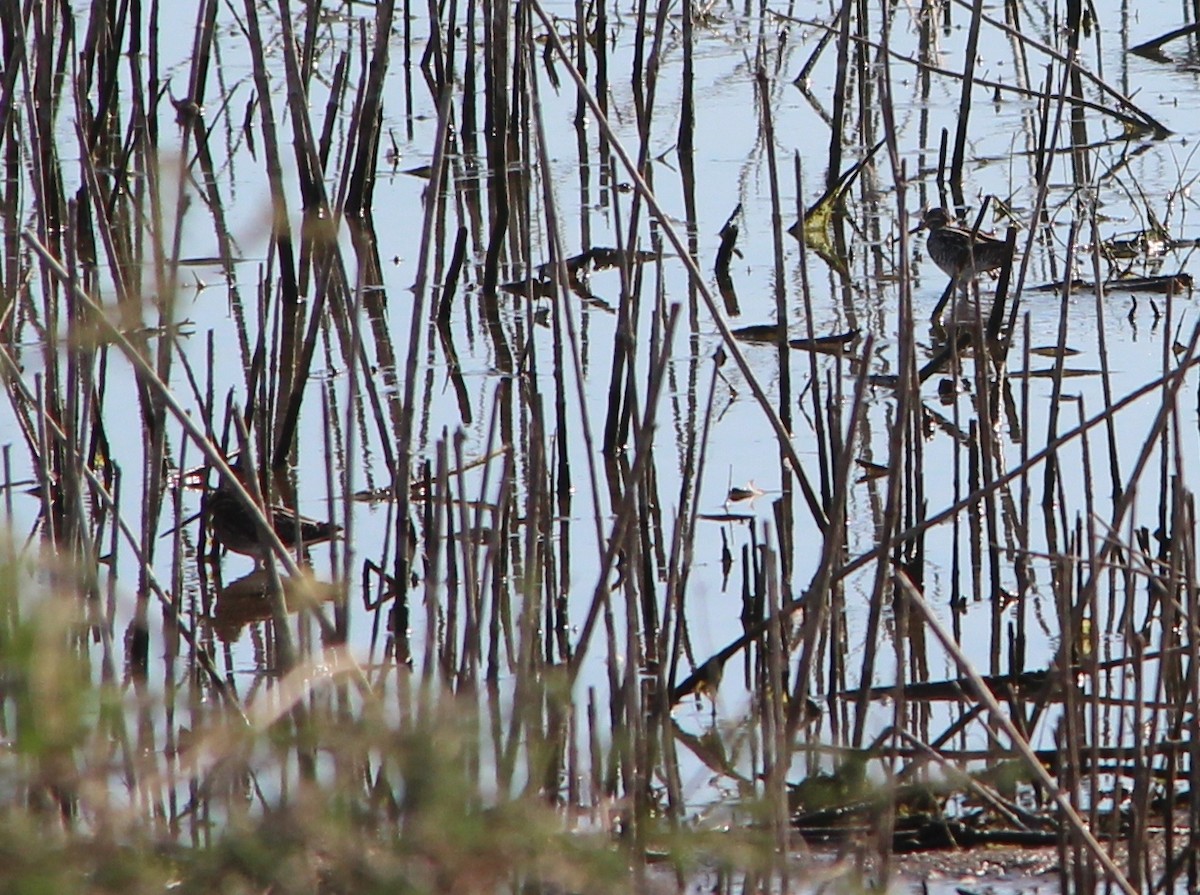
[{"x": 684, "y": 525}]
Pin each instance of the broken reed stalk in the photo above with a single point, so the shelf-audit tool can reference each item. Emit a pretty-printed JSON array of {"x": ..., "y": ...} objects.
[{"x": 725, "y": 252}]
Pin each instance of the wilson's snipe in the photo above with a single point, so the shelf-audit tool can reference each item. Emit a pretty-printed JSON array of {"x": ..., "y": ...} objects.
[
  {"x": 958, "y": 252},
  {"x": 233, "y": 525}
]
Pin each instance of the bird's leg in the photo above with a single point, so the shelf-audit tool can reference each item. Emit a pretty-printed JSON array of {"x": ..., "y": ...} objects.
[{"x": 941, "y": 305}]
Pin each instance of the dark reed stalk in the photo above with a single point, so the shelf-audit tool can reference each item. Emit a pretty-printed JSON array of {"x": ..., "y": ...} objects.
[
  {"x": 1143, "y": 772},
  {"x": 361, "y": 189},
  {"x": 840, "y": 89},
  {"x": 341, "y": 609},
  {"x": 831, "y": 556},
  {"x": 626, "y": 507},
  {"x": 461, "y": 578},
  {"x": 824, "y": 463},
  {"x": 14, "y": 46},
  {"x": 865, "y": 83},
  {"x": 433, "y": 60},
  {"x": 1023, "y": 569},
  {"x": 776, "y": 745},
  {"x": 1050, "y": 478},
  {"x": 906, "y": 359},
  {"x": 1016, "y": 35},
  {"x": 495, "y": 126},
  {"x": 621, "y": 393},
  {"x": 991, "y": 455},
  {"x": 562, "y": 478},
  {"x": 47, "y": 492},
  {"x": 1079, "y": 134},
  {"x": 281, "y": 229},
  {"x": 970, "y": 54},
  {"x": 491, "y": 566},
  {"x": 682, "y": 553},
  {"x": 943, "y": 153},
  {"x": 781, "y": 309},
  {"x": 404, "y": 454},
  {"x": 438, "y": 656},
  {"x": 1190, "y": 728},
  {"x": 805, "y": 73},
  {"x": 725, "y": 251},
  {"x": 6, "y": 463},
  {"x": 996, "y": 316},
  {"x": 644, "y": 74},
  {"x": 291, "y": 373},
  {"x": 1039, "y": 205},
  {"x": 1042, "y": 155},
  {"x": 634, "y": 742},
  {"x": 1090, "y": 654},
  {"x": 838, "y": 631},
  {"x": 913, "y": 555},
  {"x": 889, "y": 523},
  {"x": 687, "y": 109}
]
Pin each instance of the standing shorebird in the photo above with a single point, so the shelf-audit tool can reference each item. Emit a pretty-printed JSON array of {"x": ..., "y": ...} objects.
[
  {"x": 231, "y": 521},
  {"x": 961, "y": 254}
]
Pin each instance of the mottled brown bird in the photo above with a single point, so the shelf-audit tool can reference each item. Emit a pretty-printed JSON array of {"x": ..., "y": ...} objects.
[
  {"x": 959, "y": 253},
  {"x": 232, "y": 523}
]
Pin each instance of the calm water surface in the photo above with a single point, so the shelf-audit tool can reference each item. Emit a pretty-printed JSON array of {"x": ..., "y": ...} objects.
[{"x": 732, "y": 169}]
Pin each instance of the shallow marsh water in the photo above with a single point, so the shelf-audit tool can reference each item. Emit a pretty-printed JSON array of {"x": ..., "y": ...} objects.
[{"x": 1003, "y": 609}]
